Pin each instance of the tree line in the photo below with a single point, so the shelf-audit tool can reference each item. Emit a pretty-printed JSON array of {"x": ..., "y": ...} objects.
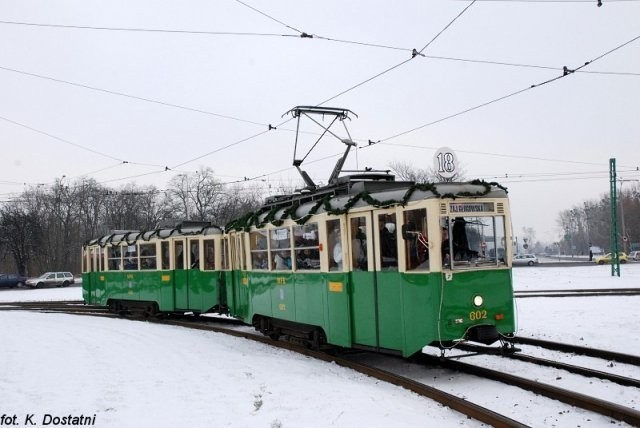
[
  {"x": 589, "y": 224},
  {"x": 44, "y": 228}
]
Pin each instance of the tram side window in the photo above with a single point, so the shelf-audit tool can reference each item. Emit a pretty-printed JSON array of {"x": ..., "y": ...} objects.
[
  {"x": 194, "y": 254},
  {"x": 416, "y": 242},
  {"x": 209, "y": 254},
  {"x": 114, "y": 258},
  {"x": 85, "y": 263},
  {"x": 388, "y": 242},
  {"x": 92, "y": 260},
  {"x": 280, "y": 248},
  {"x": 305, "y": 241},
  {"x": 224, "y": 256},
  {"x": 164, "y": 255},
  {"x": 359, "y": 257},
  {"x": 334, "y": 244},
  {"x": 100, "y": 264},
  {"x": 131, "y": 258},
  {"x": 147, "y": 256},
  {"x": 259, "y": 250},
  {"x": 240, "y": 257},
  {"x": 178, "y": 248}
]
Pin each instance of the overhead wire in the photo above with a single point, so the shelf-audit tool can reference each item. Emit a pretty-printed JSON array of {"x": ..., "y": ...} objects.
[
  {"x": 146, "y": 30},
  {"x": 420, "y": 53},
  {"x": 357, "y": 85},
  {"x": 566, "y": 72},
  {"x": 135, "y": 97}
]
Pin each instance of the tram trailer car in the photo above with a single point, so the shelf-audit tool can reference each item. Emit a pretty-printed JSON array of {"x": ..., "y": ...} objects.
[
  {"x": 379, "y": 265},
  {"x": 162, "y": 271}
]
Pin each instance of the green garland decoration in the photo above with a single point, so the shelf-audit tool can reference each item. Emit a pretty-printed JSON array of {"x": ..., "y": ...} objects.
[{"x": 253, "y": 219}]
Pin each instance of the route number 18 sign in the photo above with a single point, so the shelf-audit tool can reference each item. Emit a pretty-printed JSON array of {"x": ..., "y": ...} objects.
[{"x": 445, "y": 162}]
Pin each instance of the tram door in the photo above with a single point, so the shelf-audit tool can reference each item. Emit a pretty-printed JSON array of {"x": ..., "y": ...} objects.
[
  {"x": 363, "y": 287},
  {"x": 181, "y": 279},
  {"x": 376, "y": 297}
]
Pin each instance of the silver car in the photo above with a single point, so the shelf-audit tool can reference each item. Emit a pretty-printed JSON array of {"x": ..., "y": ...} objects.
[
  {"x": 59, "y": 279},
  {"x": 525, "y": 260}
]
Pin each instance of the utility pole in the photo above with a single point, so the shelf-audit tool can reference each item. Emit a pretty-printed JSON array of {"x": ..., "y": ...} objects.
[{"x": 615, "y": 259}]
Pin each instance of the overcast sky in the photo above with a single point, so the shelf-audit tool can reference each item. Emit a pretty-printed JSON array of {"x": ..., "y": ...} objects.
[{"x": 141, "y": 91}]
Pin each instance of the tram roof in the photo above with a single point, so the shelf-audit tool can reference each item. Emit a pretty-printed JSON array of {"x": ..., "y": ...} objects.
[
  {"x": 130, "y": 237},
  {"x": 356, "y": 192}
]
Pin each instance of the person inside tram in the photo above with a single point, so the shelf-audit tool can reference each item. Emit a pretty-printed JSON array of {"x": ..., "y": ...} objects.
[
  {"x": 389, "y": 245},
  {"x": 461, "y": 248},
  {"x": 282, "y": 261}
]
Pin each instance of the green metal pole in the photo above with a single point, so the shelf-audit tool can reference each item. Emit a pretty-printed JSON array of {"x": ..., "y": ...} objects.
[{"x": 615, "y": 259}]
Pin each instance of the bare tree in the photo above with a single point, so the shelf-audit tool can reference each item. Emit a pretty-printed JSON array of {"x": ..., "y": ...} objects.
[
  {"x": 407, "y": 172},
  {"x": 18, "y": 235}
]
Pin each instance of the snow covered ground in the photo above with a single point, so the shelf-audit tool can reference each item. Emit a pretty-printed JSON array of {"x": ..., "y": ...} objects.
[{"x": 119, "y": 373}]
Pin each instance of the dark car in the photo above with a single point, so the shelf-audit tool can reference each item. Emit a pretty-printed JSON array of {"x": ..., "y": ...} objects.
[{"x": 12, "y": 280}]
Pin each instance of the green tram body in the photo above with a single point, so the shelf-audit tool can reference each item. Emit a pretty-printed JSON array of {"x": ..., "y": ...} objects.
[{"x": 281, "y": 270}]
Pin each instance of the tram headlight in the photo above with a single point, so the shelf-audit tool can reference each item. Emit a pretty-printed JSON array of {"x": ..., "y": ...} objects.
[{"x": 478, "y": 300}]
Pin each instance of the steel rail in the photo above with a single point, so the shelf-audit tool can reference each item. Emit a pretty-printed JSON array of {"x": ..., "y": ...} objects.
[
  {"x": 575, "y": 349},
  {"x": 621, "y": 413},
  {"x": 463, "y": 406}
]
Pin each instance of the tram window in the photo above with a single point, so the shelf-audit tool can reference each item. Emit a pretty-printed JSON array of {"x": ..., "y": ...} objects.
[
  {"x": 84, "y": 264},
  {"x": 194, "y": 254},
  {"x": 164, "y": 255},
  {"x": 178, "y": 248},
  {"x": 224, "y": 256},
  {"x": 388, "y": 241},
  {"x": 305, "y": 240},
  {"x": 259, "y": 250},
  {"x": 147, "y": 256},
  {"x": 130, "y": 258},
  {"x": 416, "y": 242},
  {"x": 101, "y": 253},
  {"x": 359, "y": 259},
  {"x": 115, "y": 258},
  {"x": 474, "y": 241},
  {"x": 92, "y": 260},
  {"x": 209, "y": 254},
  {"x": 334, "y": 243},
  {"x": 240, "y": 258},
  {"x": 280, "y": 245}
]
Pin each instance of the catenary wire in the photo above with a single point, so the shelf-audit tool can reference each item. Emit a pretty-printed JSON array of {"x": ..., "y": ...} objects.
[{"x": 566, "y": 72}]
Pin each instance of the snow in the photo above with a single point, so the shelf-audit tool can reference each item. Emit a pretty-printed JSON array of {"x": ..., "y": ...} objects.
[{"x": 142, "y": 374}]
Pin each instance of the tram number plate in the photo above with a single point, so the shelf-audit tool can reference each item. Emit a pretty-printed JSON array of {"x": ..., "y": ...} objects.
[{"x": 477, "y": 315}]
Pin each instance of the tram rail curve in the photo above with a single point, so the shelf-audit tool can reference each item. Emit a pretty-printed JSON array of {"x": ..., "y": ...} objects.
[
  {"x": 463, "y": 406},
  {"x": 460, "y": 405}
]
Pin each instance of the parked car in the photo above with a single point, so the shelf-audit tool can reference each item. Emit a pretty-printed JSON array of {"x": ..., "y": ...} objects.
[
  {"x": 12, "y": 280},
  {"x": 525, "y": 260},
  {"x": 634, "y": 255},
  {"x": 622, "y": 257},
  {"x": 59, "y": 279}
]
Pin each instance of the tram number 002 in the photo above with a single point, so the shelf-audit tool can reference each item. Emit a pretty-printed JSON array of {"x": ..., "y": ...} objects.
[{"x": 477, "y": 315}]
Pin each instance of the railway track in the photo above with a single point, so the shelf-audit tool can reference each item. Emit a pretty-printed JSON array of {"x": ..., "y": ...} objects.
[
  {"x": 585, "y": 292},
  {"x": 573, "y": 398},
  {"x": 461, "y": 405},
  {"x": 225, "y": 326}
]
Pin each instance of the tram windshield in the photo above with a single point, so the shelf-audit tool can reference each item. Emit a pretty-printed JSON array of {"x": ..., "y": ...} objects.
[{"x": 473, "y": 241}]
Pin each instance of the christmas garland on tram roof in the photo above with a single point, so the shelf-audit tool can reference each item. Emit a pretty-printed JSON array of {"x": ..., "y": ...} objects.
[{"x": 253, "y": 219}]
